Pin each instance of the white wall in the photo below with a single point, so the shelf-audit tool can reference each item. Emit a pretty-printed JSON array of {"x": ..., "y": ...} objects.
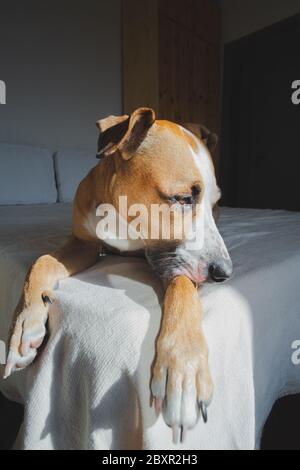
[
  {"x": 242, "y": 17},
  {"x": 61, "y": 61}
]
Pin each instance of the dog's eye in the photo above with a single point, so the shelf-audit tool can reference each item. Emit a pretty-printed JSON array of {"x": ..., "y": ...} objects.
[
  {"x": 184, "y": 200},
  {"x": 196, "y": 190},
  {"x": 187, "y": 199}
]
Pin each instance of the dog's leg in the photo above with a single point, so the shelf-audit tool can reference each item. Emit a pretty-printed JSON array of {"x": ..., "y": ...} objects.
[
  {"x": 31, "y": 314},
  {"x": 181, "y": 381}
]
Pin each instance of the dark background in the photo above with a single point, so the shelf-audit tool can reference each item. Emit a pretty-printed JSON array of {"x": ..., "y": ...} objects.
[{"x": 260, "y": 162}]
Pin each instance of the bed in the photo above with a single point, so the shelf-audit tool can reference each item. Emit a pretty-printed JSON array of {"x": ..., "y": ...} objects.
[{"x": 89, "y": 387}]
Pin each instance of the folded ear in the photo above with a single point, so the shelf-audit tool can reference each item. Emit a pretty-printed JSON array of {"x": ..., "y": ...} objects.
[
  {"x": 209, "y": 138},
  {"x": 124, "y": 133},
  {"x": 112, "y": 130},
  {"x": 139, "y": 124}
]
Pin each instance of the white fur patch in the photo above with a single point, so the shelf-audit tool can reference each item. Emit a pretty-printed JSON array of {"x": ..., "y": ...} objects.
[
  {"x": 124, "y": 245},
  {"x": 90, "y": 223},
  {"x": 204, "y": 164},
  {"x": 112, "y": 238},
  {"x": 213, "y": 242}
]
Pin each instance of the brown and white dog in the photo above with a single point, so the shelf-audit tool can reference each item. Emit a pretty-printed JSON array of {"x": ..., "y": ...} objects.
[{"x": 151, "y": 162}]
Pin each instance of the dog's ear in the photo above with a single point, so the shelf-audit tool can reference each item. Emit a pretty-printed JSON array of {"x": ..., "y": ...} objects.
[
  {"x": 112, "y": 130},
  {"x": 209, "y": 138},
  {"x": 140, "y": 122},
  {"x": 124, "y": 133}
]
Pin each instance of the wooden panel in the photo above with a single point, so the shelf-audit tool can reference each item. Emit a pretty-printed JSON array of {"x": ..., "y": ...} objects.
[
  {"x": 207, "y": 21},
  {"x": 140, "y": 54},
  {"x": 183, "y": 74},
  {"x": 200, "y": 17},
  {"x": 171, "y": 59},
  {"x": 213, "y": 118},
  {"x": 213, "y": 90}
]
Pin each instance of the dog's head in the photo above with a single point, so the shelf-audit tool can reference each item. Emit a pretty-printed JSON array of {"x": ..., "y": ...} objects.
[{"x": 166, "y": 172}]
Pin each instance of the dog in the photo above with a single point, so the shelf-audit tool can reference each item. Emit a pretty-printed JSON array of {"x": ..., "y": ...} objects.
[{"x": 149, "y": 161}]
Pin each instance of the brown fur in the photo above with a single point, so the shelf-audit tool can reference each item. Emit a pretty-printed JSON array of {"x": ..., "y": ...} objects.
[{"x": 181, "y": 336}]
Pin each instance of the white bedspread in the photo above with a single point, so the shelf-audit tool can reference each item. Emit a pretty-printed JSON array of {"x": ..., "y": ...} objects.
[{"x": 89, "y": 388}]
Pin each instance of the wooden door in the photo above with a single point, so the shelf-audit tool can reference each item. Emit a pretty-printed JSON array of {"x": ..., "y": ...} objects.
[{"x": 171, "y": 59}]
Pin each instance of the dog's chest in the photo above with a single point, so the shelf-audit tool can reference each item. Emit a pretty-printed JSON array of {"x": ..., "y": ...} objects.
[{"x": 111, "y": 237}]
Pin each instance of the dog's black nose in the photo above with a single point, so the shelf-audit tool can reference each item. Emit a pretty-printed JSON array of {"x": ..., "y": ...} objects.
[{"x": 218, "y": 274}]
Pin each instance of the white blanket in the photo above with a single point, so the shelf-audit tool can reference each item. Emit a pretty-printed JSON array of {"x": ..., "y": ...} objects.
[{"x": 89, "y": 388}]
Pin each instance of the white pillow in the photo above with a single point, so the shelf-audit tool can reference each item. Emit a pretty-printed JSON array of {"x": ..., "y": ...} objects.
[
  {"x": 71, "y": 167},
  {"x": 26, "y": 175}
]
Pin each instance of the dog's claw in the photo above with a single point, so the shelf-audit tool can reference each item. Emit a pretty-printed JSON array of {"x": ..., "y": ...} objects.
[
  {"x": 15, "y": 361},
  {"x": 175, "y": 432},
  {"x": 158, "y": 406},
  {"x": 203, "y": 409},
  {"x": 183, "y": 434},
  {"x": 8, "y": 370}
]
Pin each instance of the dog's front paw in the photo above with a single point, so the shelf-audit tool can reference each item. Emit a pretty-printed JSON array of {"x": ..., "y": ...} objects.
[
  {"x": 181, "y": 383},
  {"x": 27, "y": 336}
]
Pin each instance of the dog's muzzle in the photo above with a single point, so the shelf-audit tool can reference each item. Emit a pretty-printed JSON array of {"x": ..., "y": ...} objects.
[{"x": 169, "y": 264}]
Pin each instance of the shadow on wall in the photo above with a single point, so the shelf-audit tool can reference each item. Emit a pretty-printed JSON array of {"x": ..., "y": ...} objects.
[
  {"x": 61, "y": 64},
  {"x": 241, "y": 18}
]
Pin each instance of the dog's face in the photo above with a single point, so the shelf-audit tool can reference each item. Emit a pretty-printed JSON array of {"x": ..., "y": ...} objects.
[{"x": 167, "y": 169}]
